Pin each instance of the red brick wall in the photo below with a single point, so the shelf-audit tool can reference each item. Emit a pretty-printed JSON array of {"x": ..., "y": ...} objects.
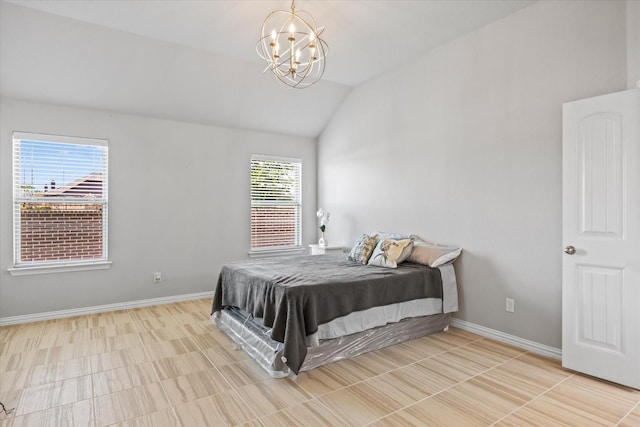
[
  {"x": 60, "y": 232},
  {"x": 277, "y": 221}
]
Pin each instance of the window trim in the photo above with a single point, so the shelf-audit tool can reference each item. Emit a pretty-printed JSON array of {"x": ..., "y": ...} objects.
[
  {"x": 281, "y": 250},
  {"x": 262, "y": 253},
  {"x": 25, "y": 270},
  {"x": 54, "y": 266}
]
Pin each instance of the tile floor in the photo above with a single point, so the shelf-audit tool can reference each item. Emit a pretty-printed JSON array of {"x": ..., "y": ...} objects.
[{"x": 169, "y": 366}]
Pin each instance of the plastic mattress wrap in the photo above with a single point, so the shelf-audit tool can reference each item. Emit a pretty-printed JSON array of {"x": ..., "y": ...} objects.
[{"x": 254, "y": 339}]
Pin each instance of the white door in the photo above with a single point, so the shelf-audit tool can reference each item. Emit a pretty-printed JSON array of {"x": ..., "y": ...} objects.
[{"x": 601, "y": 237}]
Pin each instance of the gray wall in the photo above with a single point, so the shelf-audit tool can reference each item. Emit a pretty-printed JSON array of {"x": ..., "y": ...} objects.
[
  {"x": 633, "y": 44},
  {"x": 463, "y": 147},
  {"x": 178, "y": 204}
]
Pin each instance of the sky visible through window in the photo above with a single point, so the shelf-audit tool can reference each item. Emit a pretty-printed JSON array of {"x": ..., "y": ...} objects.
[{"x": 42, "y": 163}]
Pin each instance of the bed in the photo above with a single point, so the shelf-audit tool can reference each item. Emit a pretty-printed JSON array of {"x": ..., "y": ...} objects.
[{"x": 292, "y": 314}]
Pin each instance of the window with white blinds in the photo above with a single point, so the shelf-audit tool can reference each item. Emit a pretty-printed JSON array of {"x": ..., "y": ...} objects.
[
  {"x": 276, "y": 203},
  {"x": 59, "y": 199}
]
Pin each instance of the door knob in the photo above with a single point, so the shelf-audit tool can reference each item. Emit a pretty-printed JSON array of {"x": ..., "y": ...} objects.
[{"x": 570, "y": 250}]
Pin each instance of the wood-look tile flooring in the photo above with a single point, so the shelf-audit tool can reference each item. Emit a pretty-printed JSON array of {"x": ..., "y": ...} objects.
[{"x": 170, "y": 366}]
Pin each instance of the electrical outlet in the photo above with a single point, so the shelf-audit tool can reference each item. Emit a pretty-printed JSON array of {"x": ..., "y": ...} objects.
[
  {"x": 157, "y": 277},
  {"x": 510, "y": 305}
]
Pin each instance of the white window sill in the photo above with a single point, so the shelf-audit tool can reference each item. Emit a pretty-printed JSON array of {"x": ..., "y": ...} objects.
[
  {"x": 58, "y": 268},
  {"x": 276, "y": 252}
]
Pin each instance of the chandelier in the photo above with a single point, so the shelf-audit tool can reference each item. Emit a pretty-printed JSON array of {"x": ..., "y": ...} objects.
[{"x": 290, "y": 44}]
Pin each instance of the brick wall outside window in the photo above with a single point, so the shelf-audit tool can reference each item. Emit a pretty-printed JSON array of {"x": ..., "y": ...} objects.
[
  {"x": 273, "y": 226},
  {"x": 60, "y": 232}
]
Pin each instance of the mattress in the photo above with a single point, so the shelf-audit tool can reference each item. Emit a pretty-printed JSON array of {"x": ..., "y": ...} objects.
[{"x": 254, "y": 339}]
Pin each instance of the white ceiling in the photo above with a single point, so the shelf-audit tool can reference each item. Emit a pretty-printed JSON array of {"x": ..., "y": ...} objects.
[{"x": 125, "y": 55}]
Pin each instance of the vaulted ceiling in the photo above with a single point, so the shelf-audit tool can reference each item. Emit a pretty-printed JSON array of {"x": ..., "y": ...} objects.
[{"x": 195, "y": 60}]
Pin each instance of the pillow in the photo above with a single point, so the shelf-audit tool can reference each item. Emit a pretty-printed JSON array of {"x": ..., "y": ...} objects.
[
  {"x": 363, "y": 248},
  {"x": 417, "y": 238},
  {"x": 390, "y": 252},
  {"x": 394, "y": 236},
  {"x": 433, "y": 255}
]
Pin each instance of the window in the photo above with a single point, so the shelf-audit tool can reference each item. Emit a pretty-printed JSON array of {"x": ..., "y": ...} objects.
[
  {"x": 276, "y": 203},
  {"x": 59, "y": 200}
]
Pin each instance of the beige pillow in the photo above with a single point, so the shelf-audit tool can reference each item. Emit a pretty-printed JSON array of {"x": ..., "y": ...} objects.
[
  {"x": 433, "y": 255},
  {"x": 390, "y": 252}
]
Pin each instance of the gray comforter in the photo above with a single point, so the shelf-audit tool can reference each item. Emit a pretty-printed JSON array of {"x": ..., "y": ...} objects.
[{"x": 293, "y": 295}]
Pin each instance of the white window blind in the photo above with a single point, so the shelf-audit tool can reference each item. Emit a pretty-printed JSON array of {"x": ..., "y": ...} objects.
[
  {"x": 60, "y": 194},
  {"x": 276, "y": 203}
]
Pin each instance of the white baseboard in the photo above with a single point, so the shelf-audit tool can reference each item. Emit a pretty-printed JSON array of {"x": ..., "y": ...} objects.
[
  {"x": 59, "y": 314},
  {"x": 532, "y": 346}
]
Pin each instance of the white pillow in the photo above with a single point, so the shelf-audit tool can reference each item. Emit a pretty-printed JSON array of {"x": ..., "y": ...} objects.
[
  {"x": 433, "y": 255},
  {"x": 394, "y": 236},
  {"x": 417, "y": 238}
]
